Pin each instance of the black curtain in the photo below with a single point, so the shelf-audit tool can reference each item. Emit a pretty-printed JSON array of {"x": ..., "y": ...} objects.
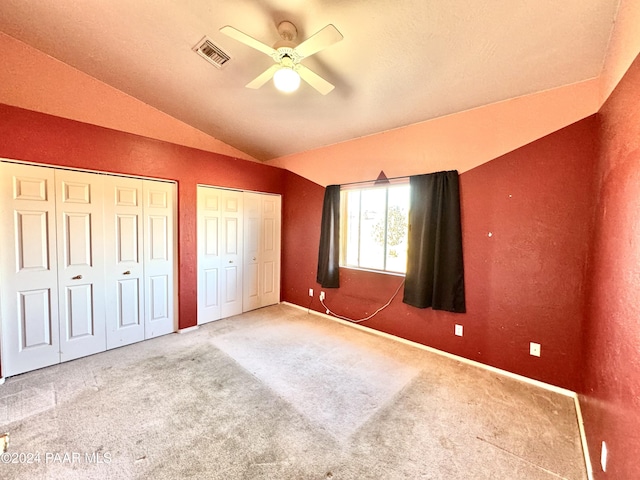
[
  {"x": 329, "y": 253},
  {"x": 435, "y": 273}
]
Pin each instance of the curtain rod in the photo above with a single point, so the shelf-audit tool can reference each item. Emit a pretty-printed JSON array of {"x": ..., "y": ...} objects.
[
  {"x": 375, "y": 180},
  {"x": 389, "y": 179}
]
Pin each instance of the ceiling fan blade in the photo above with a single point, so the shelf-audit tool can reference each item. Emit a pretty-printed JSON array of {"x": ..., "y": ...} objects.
[
  {"x": 313, "y": 79},
  {"x": 264, "y": 77},
  {"x": 247, "y": 40},
  {"x": 318, "y": 41}
]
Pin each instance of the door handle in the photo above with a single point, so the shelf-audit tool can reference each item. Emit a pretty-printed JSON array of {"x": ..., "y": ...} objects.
[
  {"x": 77, "y": 277},
  {"x": 230, "y": 261},
  {"x": 254, "y": 259},
  {"x": 128, "y": 272}
]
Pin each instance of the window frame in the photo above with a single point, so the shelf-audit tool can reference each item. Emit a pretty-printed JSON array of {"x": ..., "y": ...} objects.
[{"x": 344, "y": 221}]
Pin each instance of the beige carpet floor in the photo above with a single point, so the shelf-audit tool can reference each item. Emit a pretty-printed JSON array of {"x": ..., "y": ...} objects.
[{"x": 281, "y": 394}]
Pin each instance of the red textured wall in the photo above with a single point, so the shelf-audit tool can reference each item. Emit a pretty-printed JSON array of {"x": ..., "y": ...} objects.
[
  {"x": 301, "y": 212},
  {"x": 611, "y": 394},
  {"x": 524, "y": 283},
  {"x": 36, "y": 137}
]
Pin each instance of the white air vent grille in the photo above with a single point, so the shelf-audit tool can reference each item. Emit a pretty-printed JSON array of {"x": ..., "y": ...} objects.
[{"x": 211, "y": 53}]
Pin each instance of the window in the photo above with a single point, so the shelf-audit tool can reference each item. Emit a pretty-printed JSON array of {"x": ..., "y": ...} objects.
[{"x": 374, "y": 227}]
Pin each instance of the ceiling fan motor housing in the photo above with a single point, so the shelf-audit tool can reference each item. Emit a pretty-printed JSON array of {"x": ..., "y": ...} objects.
[{"x": 287, "y": 31}]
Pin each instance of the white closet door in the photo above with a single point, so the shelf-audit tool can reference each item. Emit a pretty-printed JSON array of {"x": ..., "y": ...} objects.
[
  {"x": 252, "y": 229},
  {"x": 270, "y": 250},
  {"x": 28, "y": 269},
  {"x": 158, "y": 258},
  {"x": 220, "y": 232},
  {"x": 261, "y": 250},
  {"x": 231, "y": 253},
  {"x": 123, "y": 261},
  {"x": 81, "y": 285},
  {"x": 209, "y": 258}
]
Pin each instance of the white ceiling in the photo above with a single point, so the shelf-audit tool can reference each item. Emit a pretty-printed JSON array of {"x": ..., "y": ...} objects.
[{"x": 401, "y": 62}]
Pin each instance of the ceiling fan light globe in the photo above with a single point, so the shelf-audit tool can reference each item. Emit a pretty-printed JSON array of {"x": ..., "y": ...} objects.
[{"x": 286, "y": 80}]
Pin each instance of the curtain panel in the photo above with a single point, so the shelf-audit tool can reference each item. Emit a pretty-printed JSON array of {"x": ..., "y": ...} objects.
[
  {"x": 329, "y": 253},
  {"x": 435, "y": 272}
]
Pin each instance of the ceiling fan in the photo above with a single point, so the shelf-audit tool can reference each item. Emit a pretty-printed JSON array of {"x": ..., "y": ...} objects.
[{"x": 288, "y": 70}]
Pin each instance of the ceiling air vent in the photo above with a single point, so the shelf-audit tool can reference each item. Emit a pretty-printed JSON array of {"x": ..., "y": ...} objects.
[{"x": 211, "y": 52}]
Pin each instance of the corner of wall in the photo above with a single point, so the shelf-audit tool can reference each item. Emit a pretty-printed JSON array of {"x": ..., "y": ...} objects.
[{"x": 624, "y": 47}]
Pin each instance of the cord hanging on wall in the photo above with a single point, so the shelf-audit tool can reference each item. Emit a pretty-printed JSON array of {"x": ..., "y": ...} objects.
[{"x": 330, "y": 312}]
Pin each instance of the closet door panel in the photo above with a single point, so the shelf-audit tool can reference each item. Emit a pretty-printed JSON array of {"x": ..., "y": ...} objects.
[
  {"x": 79, "y": 311},
  {"x": 158, "y": 237},
  {"x": 270, "y": 250},
  {"x": 158, "y": 258},
  {"x": 220, "y": 237},
  {"x": 211, "y": 288},
  {"x": 34, "y": 314},
  {"x": 232, "y": 234},
  {"x": 80, "y": 236},
  {"x": 32, "y": 240},
  {"x": 209, "y": 258},
  {"x": 124, "y": 270},
  {"x": 268, "y": 280},
  {"x": 252, "y": 257},
  {"x": 28, "y": 269},
  {"x": 262, "y": 250}
]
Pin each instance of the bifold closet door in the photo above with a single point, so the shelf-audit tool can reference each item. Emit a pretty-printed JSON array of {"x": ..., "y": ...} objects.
[
  {"x": 80, "y": 237},
  {"x": 270, "y": 251},
  {"x": 231, "y": 253},
  {"x": 220, "y": 232},
  {"x": 124, "y": 273},
  {"x": 158, "y": 258},
  {"x": 209, "y": 260},
  {"x": 86, "y": 264},
  {"x": 29, "y": 294},
  {"x": 261, "y": 250}
]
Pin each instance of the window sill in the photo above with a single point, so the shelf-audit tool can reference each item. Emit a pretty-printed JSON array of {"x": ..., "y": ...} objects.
[{"x": 371, "y": 270}]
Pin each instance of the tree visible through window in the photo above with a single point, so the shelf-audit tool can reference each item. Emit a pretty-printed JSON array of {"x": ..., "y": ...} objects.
[{"x": 374, "y": 228}]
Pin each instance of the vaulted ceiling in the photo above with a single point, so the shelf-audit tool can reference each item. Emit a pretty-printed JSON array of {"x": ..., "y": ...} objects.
[{"x": 400, "y": 62}]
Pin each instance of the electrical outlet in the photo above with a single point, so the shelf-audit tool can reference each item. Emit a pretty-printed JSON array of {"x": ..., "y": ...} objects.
[
  {"x": 534, "y": 349},
  {"x": 322, "y": 296},
  {"x": 311, "y": 292},
  {"x": 458, "y": 330},
  {"x": 603, "y": 456}
]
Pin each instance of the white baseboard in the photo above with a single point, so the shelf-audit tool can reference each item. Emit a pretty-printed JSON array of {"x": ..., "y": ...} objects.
[
  {"x": 506, "y": 373},
  {"x": 2, "y": 380},
  {"x": 583, "y": 438},
  {"x": 188, "y": 329},
  {"x": 499, "y": 371}
]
